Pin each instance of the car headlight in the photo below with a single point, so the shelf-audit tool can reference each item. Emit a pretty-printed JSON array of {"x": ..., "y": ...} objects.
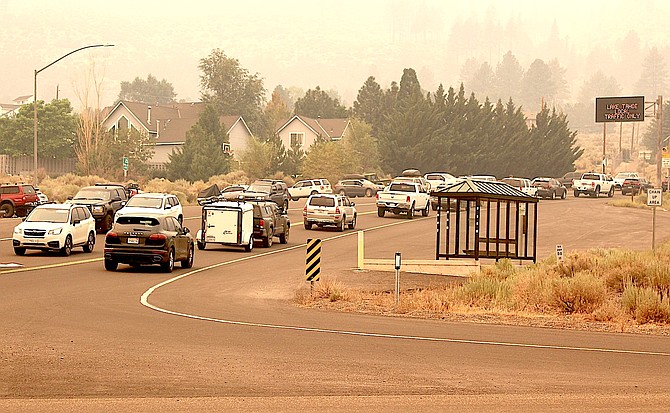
[
  {"x": 98, "y": 209},
  {"x": 55, "y": 231},
  {"x": 17, "y": 230}
]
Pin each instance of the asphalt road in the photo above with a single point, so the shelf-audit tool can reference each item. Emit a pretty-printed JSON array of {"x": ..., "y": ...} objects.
[{"x": 224, "y": 335}]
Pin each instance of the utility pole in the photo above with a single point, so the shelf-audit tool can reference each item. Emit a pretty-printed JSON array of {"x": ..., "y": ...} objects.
[{"x": 659, "y": 159}]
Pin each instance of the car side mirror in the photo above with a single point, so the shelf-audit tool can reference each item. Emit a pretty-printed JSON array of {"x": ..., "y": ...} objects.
[
  {"x": 76, "y": 221},
  {"x": 168, "y": 206},
  {"x": 69, "y": 198},
  {"x": 186, "y": 230},
  {"x": 353, "y": 204}
]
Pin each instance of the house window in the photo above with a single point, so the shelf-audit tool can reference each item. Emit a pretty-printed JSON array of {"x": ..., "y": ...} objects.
[{"x": 297, "y": 139}]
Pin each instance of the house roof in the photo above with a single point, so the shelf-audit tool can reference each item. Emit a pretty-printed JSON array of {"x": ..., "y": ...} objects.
[
  {"x": 174, "y": 120},
  {"x": 22, "y": 98},
  {"x": 330, "y": 128}
]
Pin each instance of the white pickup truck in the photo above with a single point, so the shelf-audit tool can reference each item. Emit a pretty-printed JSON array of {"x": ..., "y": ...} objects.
[
  {"x": 403, "y": 197},
  {"x": 594, "y": 184}
]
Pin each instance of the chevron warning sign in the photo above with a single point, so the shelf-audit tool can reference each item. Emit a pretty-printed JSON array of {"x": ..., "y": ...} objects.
[{"x": 313, "y": 260}]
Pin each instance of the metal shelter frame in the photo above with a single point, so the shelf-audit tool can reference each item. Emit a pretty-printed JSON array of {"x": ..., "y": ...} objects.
[{"x": 508, "y": 228}]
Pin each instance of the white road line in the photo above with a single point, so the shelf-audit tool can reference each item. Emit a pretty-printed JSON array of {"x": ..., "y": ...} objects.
[{"x": 144, "y": 300}]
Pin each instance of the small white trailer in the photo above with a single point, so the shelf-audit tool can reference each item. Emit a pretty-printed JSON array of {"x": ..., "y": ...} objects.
[{"x": 227, "y": 223}]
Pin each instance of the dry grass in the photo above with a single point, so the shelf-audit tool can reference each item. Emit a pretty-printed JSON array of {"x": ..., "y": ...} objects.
[{"x": 620, "y": 289}]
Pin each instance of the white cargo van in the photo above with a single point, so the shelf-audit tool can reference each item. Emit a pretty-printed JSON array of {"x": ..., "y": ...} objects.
[{"x": 227, "y": 223}]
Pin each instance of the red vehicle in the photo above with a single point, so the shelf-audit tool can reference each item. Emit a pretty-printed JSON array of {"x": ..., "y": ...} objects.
[{"x": 17, "y": 199}]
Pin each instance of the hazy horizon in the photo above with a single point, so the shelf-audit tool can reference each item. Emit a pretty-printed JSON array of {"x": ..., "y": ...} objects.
[{"x": 303, "y": 44}]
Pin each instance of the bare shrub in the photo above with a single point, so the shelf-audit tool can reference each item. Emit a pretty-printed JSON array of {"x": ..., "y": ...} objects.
[
  {"x": 433, "y": 301},
  {"x": 487, "y": 292},
  {"x": 579, "y": 294},
  {"x": 330, "y": 290},
  {"x": 531, "y": 288},
  {"x": 610, "y": 310}
]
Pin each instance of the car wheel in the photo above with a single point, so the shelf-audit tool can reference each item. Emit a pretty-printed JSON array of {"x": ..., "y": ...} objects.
[
  {"x": 342, "y": 192},
  {"x": 168, "y": 266},
  {"x": 180, "y": 218},
  {"x": 188, "y": 262},
  {"x": 368, "y": 192},
  {"x": 596, "y": 193},
  {"x": 250, "y": 244},
  {"x": 381, "y": 212},
  {"x": 67, "y": 246},
  {"x": 352, "y": 224},
  {"x": 267, "y": 241},
  {"x": 410, "y": 212},
  {"x": 425, "y": 211},
  {"x": 90, "y": 243},
  {"x": 283, "y": 237},
  {"x": 342, "y": 223},
  {"x": 285, "y": 205},
  {"x": 610, "y": 194},
  {"x": 553, "y": 194},
  {"x": 107, "y": 223},
  {"x": 565, "y": 194},
  {"x": 19, "y": 251},
  {"x": 308, "y": 225},
  {"x": 576, "y": 193},
  {"x": 313, "y": 192},
  {"x": 7, "y": 209},
  {"x": 111, "y": 265},
  {"x": 201, "y": 245}
]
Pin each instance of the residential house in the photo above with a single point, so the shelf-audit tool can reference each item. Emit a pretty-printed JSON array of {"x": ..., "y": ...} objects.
[
  {"x": 11, "y": 109},
  {"x": 304, "y": 131},
  {"x": 168, "y": 124}
]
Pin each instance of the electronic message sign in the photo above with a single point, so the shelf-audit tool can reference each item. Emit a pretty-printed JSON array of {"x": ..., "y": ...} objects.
[{"x": 620, "y": 109}]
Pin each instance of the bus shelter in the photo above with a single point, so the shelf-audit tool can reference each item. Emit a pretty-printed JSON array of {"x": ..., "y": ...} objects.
[{"x": 485, "y": 219}]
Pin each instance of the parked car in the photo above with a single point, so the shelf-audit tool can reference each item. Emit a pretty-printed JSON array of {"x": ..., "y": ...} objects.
[
  {"x": 522, "y": 184},
  {"x": 438, "y": 180},
  {"x": 489, "y": 178},
  {"x": 549, "y": 188},
  {"x": 103, "y": 201},
  {"x": 307, "y": 187},
  {"x": 55, "y": 227},
  {"x": 593, "y": 184},
  {"x": 567, "y": 179},
  {"x": 622, "y": 176},
  {"x": 329, "y": 210},
  {"x": 232, "y": 192},
  {"x": 635, "y": 186},
  {"x": 151, "y": 203},
  {"x": 17, "y": 199},
  {"x": 267, "y": 190},
  {"x": 270, "y": 221},
  {"x": 42, "y": 199},
  {"x": 356, "y": 187},
  {"x": 148, "y": 240}
]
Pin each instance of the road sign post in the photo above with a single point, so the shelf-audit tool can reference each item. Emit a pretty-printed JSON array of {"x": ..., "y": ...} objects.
[
  {"x": 313, "y": 262},
  {"x": 397, "y": 277},
  {"x": 654, "y": 199},
  {"x": 125, "y": 166},
  {"x": 559, "y": 253}
]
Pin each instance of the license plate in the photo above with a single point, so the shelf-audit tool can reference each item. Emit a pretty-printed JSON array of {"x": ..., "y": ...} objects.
[
  {"x": 211, "y": 238},
  {"x": 133, "y": 240}
]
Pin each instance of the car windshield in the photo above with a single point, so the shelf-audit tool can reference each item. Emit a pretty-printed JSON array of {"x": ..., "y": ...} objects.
[
  {"x": 260, "y": 187},
  {"x": 130, "y": 220},
  {"x": 323, "y": 201},
  {"x": 591, "y": 176},
  {"x": 401, "y": 187},
  {"x": 92, "y": 193},
  {"x": 233, "y": 189},
  {"x": 48, "y": 215},
  {"x": 145, "y": 202},
  {"x": 513, "y": 182}
]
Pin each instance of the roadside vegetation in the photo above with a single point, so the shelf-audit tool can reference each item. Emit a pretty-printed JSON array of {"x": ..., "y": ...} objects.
[
  {"x": 612, "y": 287},
  {"x": 639, "y": 201}
]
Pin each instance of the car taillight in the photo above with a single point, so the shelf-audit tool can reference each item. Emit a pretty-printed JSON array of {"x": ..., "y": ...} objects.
[
  {"x": 304, "y": 211},
  {"x": 156, "y": 239},
  {"x": 377, "y": 196},
  {"x": 112, "y": 238},
  {"x": 261, "y": 223},
  {"x": 408, "y": 199},
  {"x": 337, "y": 210}
]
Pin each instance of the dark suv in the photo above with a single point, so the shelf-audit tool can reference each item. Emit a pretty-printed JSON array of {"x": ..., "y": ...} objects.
[
  {"x": 268, "y": 190},
  {"x": 17, "y": 199},
  {"x": 103, "y": 201},
  {"x": 270, "y": 221}
]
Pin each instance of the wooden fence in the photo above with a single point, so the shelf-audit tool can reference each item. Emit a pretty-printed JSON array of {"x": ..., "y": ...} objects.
[{"x": 23, "y": 165}]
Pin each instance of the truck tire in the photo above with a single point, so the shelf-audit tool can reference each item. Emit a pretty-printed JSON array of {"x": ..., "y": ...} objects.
[
  {"x": 267, "y": 241},
  {"x": 250, "y": 245},
  {"x": 201, "y": 245},
  {"x": 368, "y": 192},
  {"x": 283, "y": 237},
  {"x": 576, "y": 193},
  {"x": 426, "y": 210},
  {"x": 381, "y": 212},
  {"x": 596, "y": 192},
  {"x": 8, "y": 210},
  {"x": 610, "y": 194},
  {"x": 410, "y": 212}
]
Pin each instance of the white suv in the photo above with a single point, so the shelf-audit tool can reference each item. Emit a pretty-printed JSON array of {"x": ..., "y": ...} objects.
[
  {"x": 55, "y": 227},
  {"x": 153, "y": 204},
  {"x": 307, "y": 187},
  {"x": 522, "y": 184},
  {"x": 329, "y": 210}
]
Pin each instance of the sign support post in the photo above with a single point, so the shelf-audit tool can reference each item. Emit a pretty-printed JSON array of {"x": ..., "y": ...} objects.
[
  {"x": 397, "y": 277},
  {"x": 654, "y": 199}
]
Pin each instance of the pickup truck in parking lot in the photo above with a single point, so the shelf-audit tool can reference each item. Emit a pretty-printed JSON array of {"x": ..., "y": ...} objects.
[
  {"x": 593, "y": 184},
  {"x": 403, "y": 197}
]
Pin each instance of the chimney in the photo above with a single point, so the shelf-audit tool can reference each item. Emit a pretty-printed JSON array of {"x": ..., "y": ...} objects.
[{"x": 149, "y": 115}]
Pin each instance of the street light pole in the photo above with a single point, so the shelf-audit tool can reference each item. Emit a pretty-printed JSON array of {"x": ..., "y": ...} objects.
[{"x": 35, "y": 103}]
